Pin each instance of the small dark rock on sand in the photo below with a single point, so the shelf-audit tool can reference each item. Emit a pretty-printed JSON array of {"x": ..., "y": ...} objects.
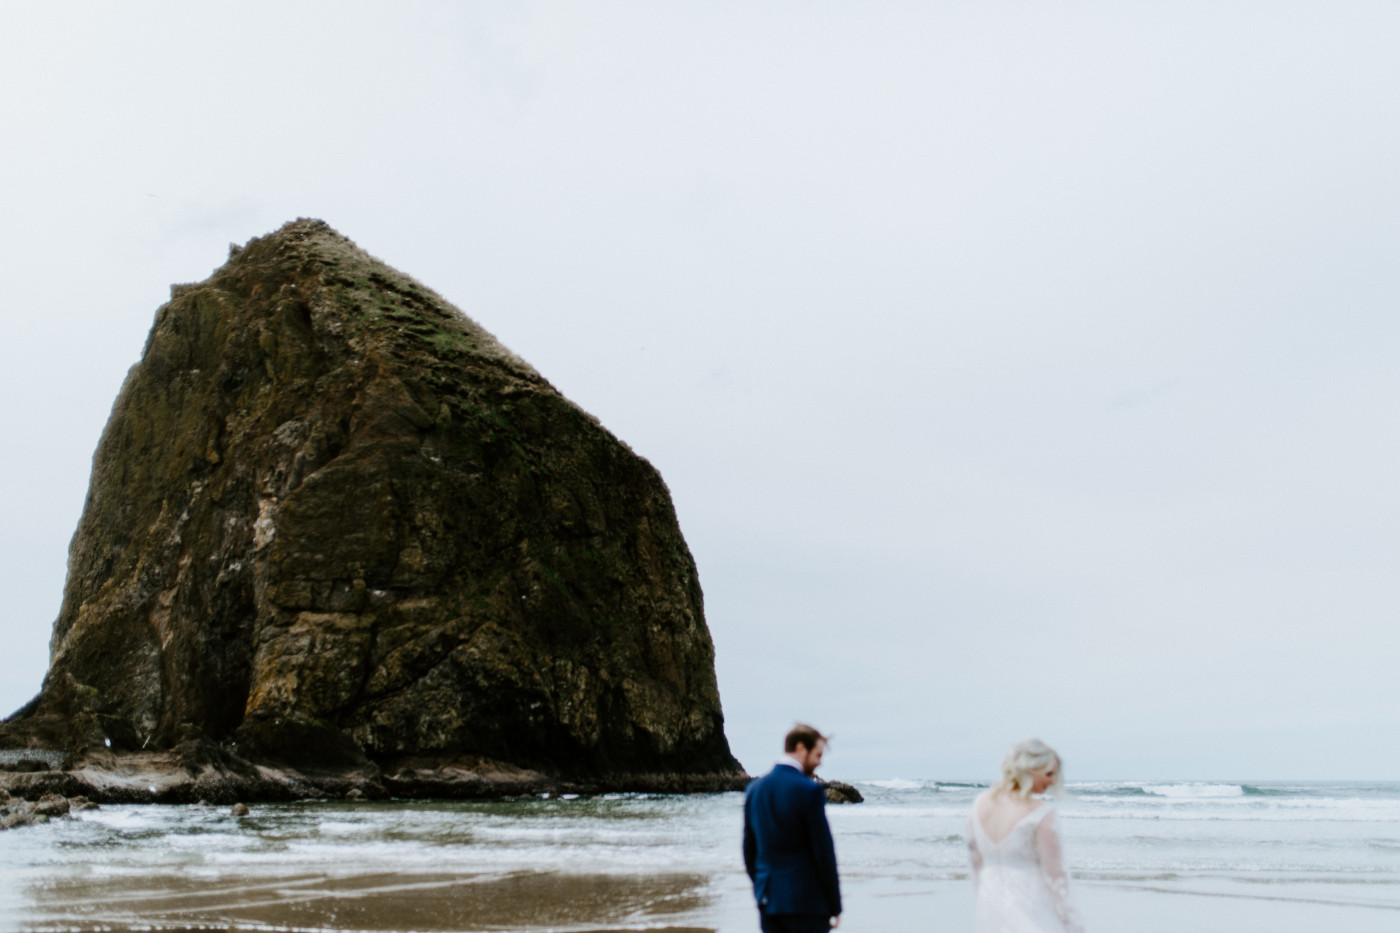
[
  {"x": 19, "y": 813},
  {"x": 839, "y": 792},
  {"x": 16, "y": 811},
  {"x": 52, "y": 805}
]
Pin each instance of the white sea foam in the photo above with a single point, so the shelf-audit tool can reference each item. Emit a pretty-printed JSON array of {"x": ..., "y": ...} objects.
[
  {"x": 896, "y": 784},
  {"x": 1194, "y": 790}
]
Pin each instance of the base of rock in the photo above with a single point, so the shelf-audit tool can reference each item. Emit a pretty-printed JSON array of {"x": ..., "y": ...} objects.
[
  {"x": 212, "y": 774},
  {"x": 16, "y": 811}
]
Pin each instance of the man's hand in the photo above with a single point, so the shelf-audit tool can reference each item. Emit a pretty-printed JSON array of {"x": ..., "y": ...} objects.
[{"x": 835, "y": 921}]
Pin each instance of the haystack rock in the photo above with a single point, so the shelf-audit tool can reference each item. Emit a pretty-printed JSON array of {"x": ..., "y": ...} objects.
[{"x": 338, "y": 537}]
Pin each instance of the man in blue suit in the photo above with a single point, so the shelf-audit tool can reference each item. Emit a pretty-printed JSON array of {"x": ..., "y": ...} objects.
[{"x": 787, "y": 843}]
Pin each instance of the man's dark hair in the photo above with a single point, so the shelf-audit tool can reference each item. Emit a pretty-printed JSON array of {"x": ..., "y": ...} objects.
[{"x": 802, "y": 734}]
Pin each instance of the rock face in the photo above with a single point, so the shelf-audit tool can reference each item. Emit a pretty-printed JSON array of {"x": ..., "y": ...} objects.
[{"x": 332, "y": 523}]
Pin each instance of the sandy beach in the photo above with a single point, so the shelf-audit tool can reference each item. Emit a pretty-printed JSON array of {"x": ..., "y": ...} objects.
[{"x": 591, "y": 903}]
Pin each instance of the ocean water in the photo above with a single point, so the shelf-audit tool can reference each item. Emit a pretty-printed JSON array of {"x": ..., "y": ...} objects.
[{"x": 1145, "y": 856}]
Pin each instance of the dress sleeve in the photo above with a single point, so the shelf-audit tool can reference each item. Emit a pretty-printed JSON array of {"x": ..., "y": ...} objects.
[
  {"x": 1052, "y": 869},
  {"x": 974, "y": 854}
]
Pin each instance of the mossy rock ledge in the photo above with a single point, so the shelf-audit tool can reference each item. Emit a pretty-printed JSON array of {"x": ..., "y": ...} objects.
[{"x": 338, "y": 540}]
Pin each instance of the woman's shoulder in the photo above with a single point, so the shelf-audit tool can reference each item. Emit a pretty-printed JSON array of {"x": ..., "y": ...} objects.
[
  {"x": 993, "y": 797},
  {"x": 1041, "y": 819},
  {"x": 1018, "y": 808}
]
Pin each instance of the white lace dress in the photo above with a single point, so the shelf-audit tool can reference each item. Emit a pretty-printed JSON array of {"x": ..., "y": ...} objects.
[{"x": 1021, "y": 882}]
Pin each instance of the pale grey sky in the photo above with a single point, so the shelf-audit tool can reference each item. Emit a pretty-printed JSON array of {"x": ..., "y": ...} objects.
[{"x": 1016, "y": 368}]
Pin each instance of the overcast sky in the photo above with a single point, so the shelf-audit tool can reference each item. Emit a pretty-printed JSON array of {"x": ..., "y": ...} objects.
[{"x": 1016, "y": 368}]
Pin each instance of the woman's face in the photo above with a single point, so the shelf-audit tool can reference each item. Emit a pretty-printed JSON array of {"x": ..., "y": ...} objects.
[{"x": 1043, "y": 778}]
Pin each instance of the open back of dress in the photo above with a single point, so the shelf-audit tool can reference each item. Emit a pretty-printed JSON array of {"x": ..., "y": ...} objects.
[{"x": 1021, "y": 882}]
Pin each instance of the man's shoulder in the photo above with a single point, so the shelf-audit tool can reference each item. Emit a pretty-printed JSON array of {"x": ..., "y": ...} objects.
[
  {"x": 787, "y": 778},
  {"x": 778, "y": 774}
]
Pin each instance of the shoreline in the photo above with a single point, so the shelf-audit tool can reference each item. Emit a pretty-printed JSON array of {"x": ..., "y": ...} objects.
[{"x": 1301, "y": 861}]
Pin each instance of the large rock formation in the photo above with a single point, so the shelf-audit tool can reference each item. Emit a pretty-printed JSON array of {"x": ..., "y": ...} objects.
[{"x": 333, "y": 524}]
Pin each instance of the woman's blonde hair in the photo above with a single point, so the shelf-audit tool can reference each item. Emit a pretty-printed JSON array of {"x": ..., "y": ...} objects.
[{"x": 1025, "y": 759}]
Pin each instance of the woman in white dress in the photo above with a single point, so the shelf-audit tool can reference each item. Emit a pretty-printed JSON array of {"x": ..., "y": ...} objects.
[{"x": 1014, "y": 842}]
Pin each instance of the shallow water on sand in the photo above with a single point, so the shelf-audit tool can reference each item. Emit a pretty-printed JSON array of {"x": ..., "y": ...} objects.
[{"x": 1146, "y": 856}]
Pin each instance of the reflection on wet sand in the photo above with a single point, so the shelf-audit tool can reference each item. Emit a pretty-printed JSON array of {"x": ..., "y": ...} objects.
[{"x": 521, "y": 901}]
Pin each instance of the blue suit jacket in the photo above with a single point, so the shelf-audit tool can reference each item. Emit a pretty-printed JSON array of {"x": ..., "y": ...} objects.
[{"x": 787, "y": 845}]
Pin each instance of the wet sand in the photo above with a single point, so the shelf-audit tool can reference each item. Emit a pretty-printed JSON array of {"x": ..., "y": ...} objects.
[
  {"x": 377, "y": 902},
  {"x": 549, "y": 902}
]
